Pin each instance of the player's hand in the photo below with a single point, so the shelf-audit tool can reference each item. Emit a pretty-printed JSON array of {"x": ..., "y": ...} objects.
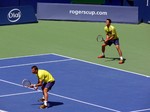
[
  {"x": 32, "y": 86},
  {"x": 106, "y": 41},
  {"x": 36, "y": 88}
]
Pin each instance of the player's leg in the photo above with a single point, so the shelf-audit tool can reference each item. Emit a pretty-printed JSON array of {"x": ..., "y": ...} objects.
[
  {"x": 103, "y": 51},
  {"x": 45, "y": 91},
  {"x": 116, "y": 43},
  {"x": 42, "y": 99},
  {"x": 120, "y": 54},
  {"x": 46, "y": 88},
  {"x": 45, "y": 98}
]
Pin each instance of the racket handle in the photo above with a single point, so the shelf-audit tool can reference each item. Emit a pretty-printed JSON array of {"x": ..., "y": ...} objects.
[
  {"x": 34, "y": 86},
  {"x": 103, "y": 39}
]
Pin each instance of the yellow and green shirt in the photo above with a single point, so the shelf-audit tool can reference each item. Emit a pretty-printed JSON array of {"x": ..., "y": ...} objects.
[
  {"x": 45, "y": 76},
  {"x": 111, "y": 31}
]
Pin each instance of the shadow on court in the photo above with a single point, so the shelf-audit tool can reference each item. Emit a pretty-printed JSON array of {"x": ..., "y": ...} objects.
[
  {"x": 51, "y": 103},
  {"x": 113, "y": 59}
]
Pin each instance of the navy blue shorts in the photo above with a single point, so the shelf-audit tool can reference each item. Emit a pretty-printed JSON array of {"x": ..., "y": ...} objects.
[
  {"x": 48, "y": 85},
  {"x": 115, "y": 42}
]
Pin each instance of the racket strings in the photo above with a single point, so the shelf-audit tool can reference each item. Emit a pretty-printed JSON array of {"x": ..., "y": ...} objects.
[
  {"x": 100, "y": 38},
  {"x": 26, "y": 83}
]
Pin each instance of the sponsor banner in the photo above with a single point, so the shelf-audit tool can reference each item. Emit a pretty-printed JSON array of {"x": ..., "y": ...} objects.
[
  {"x": 80, "y": 12},
  {"x": 17, "y": 15}
]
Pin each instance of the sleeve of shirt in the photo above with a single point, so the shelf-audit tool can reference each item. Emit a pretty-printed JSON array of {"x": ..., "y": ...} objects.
[
  {"x": 105, "y": 30},
  {"x": 41, "y": 77},
  {"x": 113, "y": 31}
]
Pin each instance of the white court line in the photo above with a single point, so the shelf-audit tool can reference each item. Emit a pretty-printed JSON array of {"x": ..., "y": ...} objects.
[
  {"x": 16, "y": 94},
  {"x": 18, "y": 65},
  {"x": 10, "y": 83},
  {"x": 102, "y": 65},
  {"x": 78, "y": 60},
  {"x": 61, "y": 96},
  {"x": 16, "y": 85},
  {"x": 87, "y": 103},
  {"x": 142, "y": 110},
  {"x": 3, "y": 110},
  {"x": 25, "y": 56},
  {"x": 81, "y": 61}
]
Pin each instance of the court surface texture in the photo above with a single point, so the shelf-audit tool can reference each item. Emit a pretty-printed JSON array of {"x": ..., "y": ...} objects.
[{"x": 81, "y": 86}]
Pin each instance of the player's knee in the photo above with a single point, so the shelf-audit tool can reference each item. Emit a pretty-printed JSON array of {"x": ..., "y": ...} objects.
[
  {"x": 45, "y": 90},
  {"x": 103, "y": 45},
  {"x": 117, "y": 47}
]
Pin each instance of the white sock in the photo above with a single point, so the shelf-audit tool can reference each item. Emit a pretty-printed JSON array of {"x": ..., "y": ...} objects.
[
  {"x": 103, "y": 54},
  {"x": 121, "y": 58},
  {"x": 45, "y": 103}
]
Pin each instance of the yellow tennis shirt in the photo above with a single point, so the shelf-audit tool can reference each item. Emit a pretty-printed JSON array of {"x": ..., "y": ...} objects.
[
  {"x": 111, "y": 31},
  {"x": 45, "y": 76}
]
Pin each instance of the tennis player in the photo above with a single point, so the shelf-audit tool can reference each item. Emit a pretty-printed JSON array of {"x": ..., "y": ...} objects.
[
  {"x": 111, "y": 38},
  {"x": 46, "y": 81}
]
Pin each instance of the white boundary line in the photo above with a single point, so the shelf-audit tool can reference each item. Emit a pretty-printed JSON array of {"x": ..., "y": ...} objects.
[
  {"x": 53, "y": 94},
  {"x": 75, "y": 59},
  {"x": 70, "y": 58},
  {"x": 24, "y": 56},
  {"x": 142, "y": 110},
  {"x": 35, "y": 63},
  {"x": 3, "y": 111},
  {"x": 16, "y": 94},
  {"x": 87, "y": 103},
  {"x": 8, "y": 82},
  {"x": 101, "y": 65}
]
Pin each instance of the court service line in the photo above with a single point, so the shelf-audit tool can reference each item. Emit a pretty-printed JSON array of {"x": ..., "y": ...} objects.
[
  {"x": 64, "y": 97},
  {"x": 142, "y": 110},
  {"x": 18, "y": 65},
  {"x": 143, "y": 75}
]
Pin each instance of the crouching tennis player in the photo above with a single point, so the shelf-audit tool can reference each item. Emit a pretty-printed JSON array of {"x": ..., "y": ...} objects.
[
  {"x": 111, "y": 38},
  {"x": 46, "y": 81}
]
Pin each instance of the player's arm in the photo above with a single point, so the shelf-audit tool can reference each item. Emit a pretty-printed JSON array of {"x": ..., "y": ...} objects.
[
  {"x": 35, "y": 86},
  {"x": 112, "y": 37},
  {"x": 112, "y": 34},
  {"x": 39, "y": 83},
  {"x": 107, "y": 37}
]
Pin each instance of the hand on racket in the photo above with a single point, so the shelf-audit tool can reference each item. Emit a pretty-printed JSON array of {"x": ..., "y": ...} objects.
[
  {"x": 34, "y": 86},
  {"x": 27, "y": 83},
  {"x": 100, "y": 38}
]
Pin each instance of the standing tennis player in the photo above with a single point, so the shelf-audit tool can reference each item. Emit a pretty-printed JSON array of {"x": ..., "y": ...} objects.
[
  {"x": 111, "y": 38},
  {"x": 46, "y": 81}
]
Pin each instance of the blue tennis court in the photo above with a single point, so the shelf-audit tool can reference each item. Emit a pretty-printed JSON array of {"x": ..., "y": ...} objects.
[{"x": 80, "y": 86}]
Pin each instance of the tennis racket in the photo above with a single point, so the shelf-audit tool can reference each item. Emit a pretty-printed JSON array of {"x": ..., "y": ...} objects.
[
  {"x": 100, "y": 38},
  {"x": 26, "y": 83}
]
